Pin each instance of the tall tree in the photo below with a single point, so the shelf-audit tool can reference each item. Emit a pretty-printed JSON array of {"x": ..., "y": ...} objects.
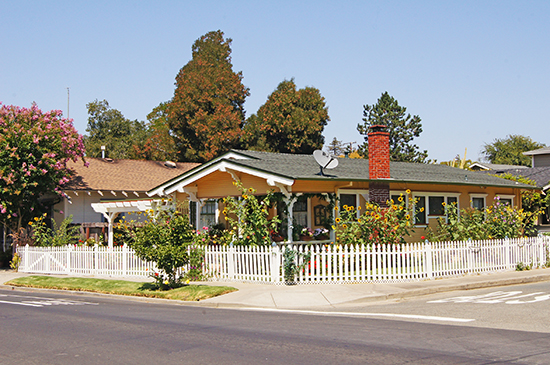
[
  {"x": 34, "y": 149},
  {"x": 509, "y": 150},
  {"x": 402, "y": 127},
  {"x": 159, "y": 144},
  {"x": 290, "y": 121},
  {"x": 207, "y": 112},
  {"x": 335, "y": 147},
  {"x": 108, "y": 127}
]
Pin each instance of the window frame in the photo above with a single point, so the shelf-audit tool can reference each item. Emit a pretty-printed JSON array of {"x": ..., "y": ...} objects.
[{"x": 427, "y": 195}]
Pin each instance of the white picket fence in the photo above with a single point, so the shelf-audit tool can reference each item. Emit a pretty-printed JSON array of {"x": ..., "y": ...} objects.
[{"x": 327, "y": 263}]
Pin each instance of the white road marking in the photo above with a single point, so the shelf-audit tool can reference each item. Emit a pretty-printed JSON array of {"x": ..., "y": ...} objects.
[
  {"x": 511, "y": 297},
  {"x": 42, "y": 301},
  {"x": 20, "y": 303},
  {"x": 348, "y": 314}
]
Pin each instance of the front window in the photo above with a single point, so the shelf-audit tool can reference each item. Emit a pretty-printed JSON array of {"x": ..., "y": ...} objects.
[{"x": 478, "y": 203}]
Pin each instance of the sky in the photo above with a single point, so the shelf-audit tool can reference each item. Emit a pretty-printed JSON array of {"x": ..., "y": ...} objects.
[{"x": 473, "y": 71}]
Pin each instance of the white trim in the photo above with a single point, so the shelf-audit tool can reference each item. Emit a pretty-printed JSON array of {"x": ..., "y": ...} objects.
[
  {"x": 221, "y": 166},
  {"x": 427, "y": 195},
  {"x": 512, "y": 198},
  {"x": 478, "y": 195}
]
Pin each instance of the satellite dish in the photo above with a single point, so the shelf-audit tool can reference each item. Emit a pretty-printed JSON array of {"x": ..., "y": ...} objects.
[{"x": 324, "y": 160}]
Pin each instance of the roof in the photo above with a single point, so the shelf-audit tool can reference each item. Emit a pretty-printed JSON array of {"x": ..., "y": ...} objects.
[
  {"x": 290, "y": 167},
  {"x": 540, "y": 175},
  {"x": 122, "y": 175},
  {"x": 493, "y": 166},
  {"x": 540, "y": 151}
]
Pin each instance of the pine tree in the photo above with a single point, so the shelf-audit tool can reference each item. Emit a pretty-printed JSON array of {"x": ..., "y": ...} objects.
[{"x": 402, "y": 127}]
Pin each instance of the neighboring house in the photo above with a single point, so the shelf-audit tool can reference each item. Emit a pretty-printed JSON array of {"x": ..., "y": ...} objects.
[
  {"x": 118, "y": 182},
  {"x": 540, "y": 157},
  {"x": 353, "y": 182},
  {"x": 484, "y": 166}
]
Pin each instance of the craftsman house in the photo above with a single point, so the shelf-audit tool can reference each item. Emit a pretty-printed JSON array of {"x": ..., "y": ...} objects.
[{"x": 307, "y": 189}]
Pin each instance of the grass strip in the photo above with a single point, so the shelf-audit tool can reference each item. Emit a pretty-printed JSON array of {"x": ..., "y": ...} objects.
[{"x": 121, "y": 287}]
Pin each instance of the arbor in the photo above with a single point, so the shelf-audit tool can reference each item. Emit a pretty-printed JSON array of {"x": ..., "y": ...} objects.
[
  {"x": 207, "y": 111},
  {"x": 402, "y": 127},
  {"x": 108, "y": 127},
  {"x": 509, "y": 150},
  {"x": 34, "y": 149},
  {"x": 290, "y": 121}
]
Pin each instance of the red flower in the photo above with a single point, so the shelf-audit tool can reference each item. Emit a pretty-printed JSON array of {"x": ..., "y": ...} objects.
[{"x": 422, "y": 238}]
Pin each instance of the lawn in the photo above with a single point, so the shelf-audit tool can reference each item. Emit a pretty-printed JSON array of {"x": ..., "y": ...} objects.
[{"x": 122, "y": 287}]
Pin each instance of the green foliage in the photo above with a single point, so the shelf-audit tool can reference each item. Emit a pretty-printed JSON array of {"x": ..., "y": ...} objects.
[
  {"x": 158, "y": 144},
  {"x": 293, "y": 263},
  {"x": 34, "y": 149},
  {"x": 196, "y": 262},
  {"x": 375, "y": 225},
  {"x": 290, "y": 121},
  {"x": 494, "y": 222},
  {"x": 533, "y": 202},
  {"x": 520, "y": 266},
  {"x": 108, "y": 127},
  {"x": 402, "y": 128},
  {"x": 65, "y": 234},
  {"x": 509, "y": 150},
  {"x": 335, "y": 147},
  {"x": 249, "y": 217},
  {"x": 15, "y": 262},
  {"x": 207, "y": 113},
  {"x": 164, "y": 240},
  {"x": 459, "y": 162}
]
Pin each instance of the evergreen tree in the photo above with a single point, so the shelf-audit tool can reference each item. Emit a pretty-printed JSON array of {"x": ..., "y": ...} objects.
[
  {"x": 290, "y": 121},
  {"x": 402, "y": 128},
  {"x": 207, "y": 112}
]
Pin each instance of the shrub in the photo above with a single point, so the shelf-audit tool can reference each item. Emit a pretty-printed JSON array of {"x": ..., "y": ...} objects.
[
  {"x": 164, "y": 240},
  {"x": 65, "y": 234}
]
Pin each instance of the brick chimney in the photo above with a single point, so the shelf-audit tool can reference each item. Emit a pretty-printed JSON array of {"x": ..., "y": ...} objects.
[{"x": 379, "y": 165}]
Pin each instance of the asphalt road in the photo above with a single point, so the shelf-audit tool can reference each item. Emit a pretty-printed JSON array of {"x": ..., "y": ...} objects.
[{"x": 59, "y": 328}]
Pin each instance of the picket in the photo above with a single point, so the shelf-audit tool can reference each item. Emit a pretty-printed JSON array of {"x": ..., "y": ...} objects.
[{"x": 328, "y": 263}]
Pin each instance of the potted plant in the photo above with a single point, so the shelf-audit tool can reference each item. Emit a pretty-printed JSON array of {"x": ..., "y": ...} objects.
[
  {"x": 306, "y": 234},
  {"x": 321, "y": 234}
]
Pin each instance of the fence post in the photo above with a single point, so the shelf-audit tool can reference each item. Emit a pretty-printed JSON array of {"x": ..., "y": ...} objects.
[
  {"x": 96, "y": 260},
  {"x": 68, "y": 255},
  {"x": 25, "y": 257},
  {"x": 124, "y": 260},
  {"x": 231, "y": 261},
  {"x": 275, "y": 262},
  {"x": 429, "y": 259},
  {"x": 507, "y": 253}
]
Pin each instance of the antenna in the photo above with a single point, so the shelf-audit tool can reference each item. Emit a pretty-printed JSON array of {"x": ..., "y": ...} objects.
[{"x": 324, "y": 160}]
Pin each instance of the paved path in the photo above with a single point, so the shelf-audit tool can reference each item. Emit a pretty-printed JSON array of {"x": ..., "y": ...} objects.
[{"x": 324, "y": 296}]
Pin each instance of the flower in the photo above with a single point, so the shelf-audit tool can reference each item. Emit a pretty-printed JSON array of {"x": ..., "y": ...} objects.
[{"x": 408, "y": 191}]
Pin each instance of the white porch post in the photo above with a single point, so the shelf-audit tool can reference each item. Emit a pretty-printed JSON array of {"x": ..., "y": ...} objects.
[
  {"x": 290, "y": 218},
  {"x": 110, "y": 218}
]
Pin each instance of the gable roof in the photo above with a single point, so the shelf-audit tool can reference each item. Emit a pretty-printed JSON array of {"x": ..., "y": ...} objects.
[
  {"x": 540, "y": 175},
  {"x": 122, "y": 175},
  {"x": 540, "y": 151},
  {"x": 493, "y": 166},
  {"x": 286, "y": 168}
]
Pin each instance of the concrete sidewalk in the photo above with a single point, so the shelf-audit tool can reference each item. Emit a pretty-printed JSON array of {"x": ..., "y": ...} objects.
[{"x": 326, "y": 296}]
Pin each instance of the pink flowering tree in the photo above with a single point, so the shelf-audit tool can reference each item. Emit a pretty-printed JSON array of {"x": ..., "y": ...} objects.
[{"x": 34, "y": 149}]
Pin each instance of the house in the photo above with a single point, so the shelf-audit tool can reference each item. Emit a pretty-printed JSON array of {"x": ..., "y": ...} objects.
[
  {"x": 485, "y": 166},
  {"x": 121, "y": 183},
  {"x": 306, "y": 191}
]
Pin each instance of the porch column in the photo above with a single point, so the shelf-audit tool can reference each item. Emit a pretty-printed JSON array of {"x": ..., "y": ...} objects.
[
  {"x": 110, "y": 217},
  {"x": 290, "y": 218}
]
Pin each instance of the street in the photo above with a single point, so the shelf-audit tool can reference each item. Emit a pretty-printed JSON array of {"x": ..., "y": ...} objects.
[{"x": 61, "y": 328}]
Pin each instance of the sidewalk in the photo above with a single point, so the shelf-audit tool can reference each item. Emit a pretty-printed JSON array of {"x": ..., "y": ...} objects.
[{"x": 326, "y": 296}]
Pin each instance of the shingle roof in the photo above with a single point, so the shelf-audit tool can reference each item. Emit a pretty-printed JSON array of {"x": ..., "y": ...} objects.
[
  {"x": 540, "y": 151},
  {"x": 496, "y": 167},
  {"x": 540, "y": 175},
  {"x": 304, "y": 167},
  {"x": 122, "y": 175}
]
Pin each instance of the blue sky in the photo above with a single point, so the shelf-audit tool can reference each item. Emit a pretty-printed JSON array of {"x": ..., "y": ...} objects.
[{"x": 472, "y": 70}]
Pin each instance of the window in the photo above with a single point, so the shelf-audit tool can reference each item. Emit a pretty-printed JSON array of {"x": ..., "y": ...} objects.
[
  {"x": 299, "y": 211},
  {"x": 349, "y": 200},
  {"x": 321, "y": 215},
  {"x": 208, "y": 213},
  {"x": 432, "y": 205},
  {"x": 506, "y": 199},
  {"x": 420, "y": 217},
  {"x": 436, "y": 205},
  {"x": 477, "y": 201}
]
